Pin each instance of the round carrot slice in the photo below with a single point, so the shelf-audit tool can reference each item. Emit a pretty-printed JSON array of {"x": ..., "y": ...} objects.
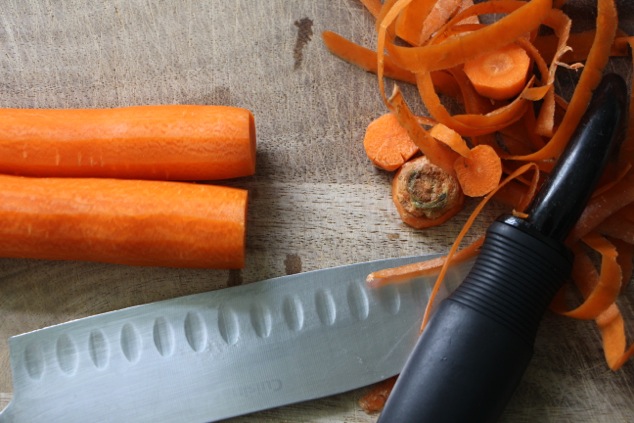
[
  {"x": 387, "y": 144},
  {"x": 424, "y": 194},
  {"x": 479, "y": 173}
]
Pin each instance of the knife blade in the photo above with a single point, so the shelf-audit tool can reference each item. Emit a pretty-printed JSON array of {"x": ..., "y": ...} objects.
[{"x": 210, "y": 356}]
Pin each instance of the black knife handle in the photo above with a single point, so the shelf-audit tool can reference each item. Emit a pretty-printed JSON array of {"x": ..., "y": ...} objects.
[{"x": 478, "y": 343}]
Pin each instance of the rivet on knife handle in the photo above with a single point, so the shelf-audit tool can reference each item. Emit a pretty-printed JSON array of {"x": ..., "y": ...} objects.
[{"x": 477, "y": 345}]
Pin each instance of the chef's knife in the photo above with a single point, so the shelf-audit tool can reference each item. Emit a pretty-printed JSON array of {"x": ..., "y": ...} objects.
[
  {"x": 476, "y": 347},
  {"x": 219, "y": 354}
]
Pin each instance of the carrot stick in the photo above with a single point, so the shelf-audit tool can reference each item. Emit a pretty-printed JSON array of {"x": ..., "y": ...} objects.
[
  {"x": 499, "y": 74},
  {"x": 387, "y": 144},
  {"x": 177, "y": 142},
  {"x": 132, "y": 222}
]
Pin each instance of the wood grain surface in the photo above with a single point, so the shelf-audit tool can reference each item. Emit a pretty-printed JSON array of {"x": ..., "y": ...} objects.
[{"x": 315, "y": 201}]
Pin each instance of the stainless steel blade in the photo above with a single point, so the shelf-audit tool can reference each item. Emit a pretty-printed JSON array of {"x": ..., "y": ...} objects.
[{"x": 219, "y": 354}]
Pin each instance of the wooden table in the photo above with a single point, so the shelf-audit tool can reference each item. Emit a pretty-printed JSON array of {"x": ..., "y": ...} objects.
[{"x": 315, "y": 201}]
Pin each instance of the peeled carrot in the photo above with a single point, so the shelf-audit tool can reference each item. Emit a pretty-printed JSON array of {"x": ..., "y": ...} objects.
[
  {"x": 132, "y": 222},
  {"x": 387, "y": 144},
  {"x": 499, "y": 74},
  {"x": 171, "y": 142}
]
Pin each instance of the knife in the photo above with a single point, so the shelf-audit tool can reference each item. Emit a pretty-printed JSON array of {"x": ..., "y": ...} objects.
[
  {"x": 219, "y": 354},
  {"x": 475, "y": 348}
]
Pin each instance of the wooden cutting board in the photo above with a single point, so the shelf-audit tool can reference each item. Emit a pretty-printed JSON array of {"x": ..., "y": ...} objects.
[{"x": 315, "y": 201}]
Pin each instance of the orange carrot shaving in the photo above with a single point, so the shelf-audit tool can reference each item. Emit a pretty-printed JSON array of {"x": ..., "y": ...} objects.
[
  {"x": 373, "y": 401},
  {"x": 479, "y": 173},
  {"x": 409, "y": 24},
  {"x": 499, "y": 74},
  {"x": 610, "y": 321},
  {"x": 366, "y": 59},
  {"x": 579, "y": 43},
  {"x": 424, "y": 268},
  {"x": 437, "y": 153},
  {"x": 450, "y": 138},
  {"x": 602, "y": 206},
  {"x": 598, "y": 56},
  {"x": 522, "y": 18},
  {"x": 373, "y": 6},
  {"x": 469, "y": 124},
  {"x": 608, "y": 284},
  {"x": 362, "y": 57},
  {"x": 387, "y": 144}
]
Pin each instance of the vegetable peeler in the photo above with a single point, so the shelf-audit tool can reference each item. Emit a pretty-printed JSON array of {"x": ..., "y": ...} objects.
[{"x": 473, "y": 353}]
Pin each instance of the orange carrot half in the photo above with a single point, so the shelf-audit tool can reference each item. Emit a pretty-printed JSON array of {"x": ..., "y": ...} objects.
[
  {"x": 132, "y": 222},
  {"x": 171, "y": 142}
]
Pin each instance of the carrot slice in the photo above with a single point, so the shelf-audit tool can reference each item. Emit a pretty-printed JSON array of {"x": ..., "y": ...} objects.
[
  {"x": 499, "y": 74},
  {"x": 132, "y": 222},
  {"x": 424, "y": 194},
  {"x": 387, "y": 144},
  {"x": 480, "y": 172},
  {"x": 175, "y": 142}
]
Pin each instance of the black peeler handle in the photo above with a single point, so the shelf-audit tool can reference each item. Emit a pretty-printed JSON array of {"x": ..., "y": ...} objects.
[{"x": 477, "y": 345}]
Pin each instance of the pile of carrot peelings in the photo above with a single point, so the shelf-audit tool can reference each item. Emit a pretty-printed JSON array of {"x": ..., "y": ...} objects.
[{"x": 428, "y": 44}]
